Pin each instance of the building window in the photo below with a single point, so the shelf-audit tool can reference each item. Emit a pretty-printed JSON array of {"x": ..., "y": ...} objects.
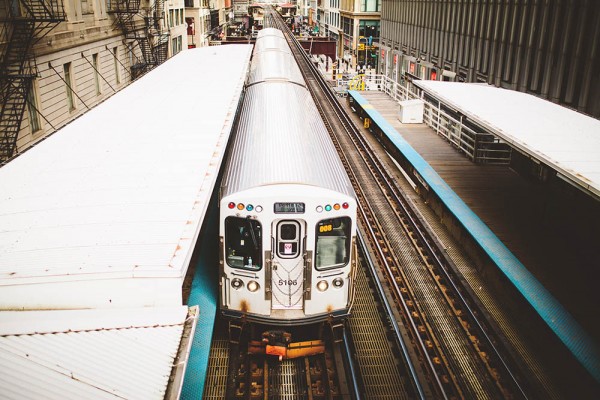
[
  {"x": 369, "y": 29},
  {"x": 96, "y": 73},
  {"x": 86, "y": 7},
  {"x": 347, "y": 26},
  {"x": 370, "y": 5},
  {"x": 130, "y": 54},
  {"x": 32, "y": 107},
  {"x": 69, "y": 85},
  {"x": 176, "y": 44},
  {"x": 116, "y": 61}
]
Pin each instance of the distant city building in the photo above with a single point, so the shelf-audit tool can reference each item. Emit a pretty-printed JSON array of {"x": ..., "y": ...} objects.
[
  {"x": 197, "y": 21},
  {"x": 354, "y": 24},
  {"x": 546, "y": 48}
]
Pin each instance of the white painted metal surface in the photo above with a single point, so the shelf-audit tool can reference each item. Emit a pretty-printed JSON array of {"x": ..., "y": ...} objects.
[
  {"x": 89, "y": 354},
  {"x": 106, "y": 212},
  {"x": 566, "y": 140}
]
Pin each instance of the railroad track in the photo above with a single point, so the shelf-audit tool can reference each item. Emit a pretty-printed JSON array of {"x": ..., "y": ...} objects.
[
  {"x": 454, "y": 351},
  {"x": 257, "y": 377}
]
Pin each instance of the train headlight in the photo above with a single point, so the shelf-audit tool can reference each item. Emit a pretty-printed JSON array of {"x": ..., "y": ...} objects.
[
  {"x": 338, "y": 282},
  {"x": 258, "y": 208},
  {"x": 322, "y": 286},
  {"x": 253, "y": 286},
  {"x": 237, "y": 283}
]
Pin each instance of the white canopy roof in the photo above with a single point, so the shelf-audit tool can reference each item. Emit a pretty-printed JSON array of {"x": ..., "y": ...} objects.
[
  {"x": 565, "y": 140},
  {"x": 89, "y": 354},
  {"x": 121, "y": 192}
]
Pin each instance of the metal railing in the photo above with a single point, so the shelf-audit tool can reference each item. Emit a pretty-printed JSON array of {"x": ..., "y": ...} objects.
[{"x": 480, "y": 147}]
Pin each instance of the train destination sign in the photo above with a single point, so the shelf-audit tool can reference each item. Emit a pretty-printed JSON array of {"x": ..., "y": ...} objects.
[{"x": 289, "y": 208}]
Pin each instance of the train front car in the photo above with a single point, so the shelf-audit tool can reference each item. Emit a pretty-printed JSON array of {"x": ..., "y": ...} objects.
[{"x": 287, "y": 207}]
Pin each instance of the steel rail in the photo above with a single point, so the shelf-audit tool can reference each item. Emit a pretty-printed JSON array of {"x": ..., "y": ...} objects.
[
  {"x": 425, "y": 241},
  {"x": 425, "y": 238},
  {"x": 390, "y": 314},
  {"x": 434, "y": 374}
]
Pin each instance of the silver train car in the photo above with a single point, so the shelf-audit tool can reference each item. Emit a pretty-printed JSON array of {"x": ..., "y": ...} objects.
[{"x": 287, "y": 207}]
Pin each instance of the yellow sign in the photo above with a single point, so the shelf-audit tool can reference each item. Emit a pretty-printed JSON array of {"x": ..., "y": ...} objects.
[
  {"x": 325, "y": 228},
  {"x": 367, "y": 123}
]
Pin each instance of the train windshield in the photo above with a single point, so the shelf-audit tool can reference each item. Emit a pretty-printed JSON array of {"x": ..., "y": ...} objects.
[
  {"x": 333, "y": 243},
  {"x": 243, "y": 243}
]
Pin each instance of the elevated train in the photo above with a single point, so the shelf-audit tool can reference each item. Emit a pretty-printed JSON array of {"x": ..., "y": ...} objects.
[{"x": 287, "y": 207}]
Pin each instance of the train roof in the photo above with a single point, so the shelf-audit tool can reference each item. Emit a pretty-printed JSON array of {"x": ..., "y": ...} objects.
[
  {"x": 270, "y": 32},
  {"x": 274, "y": 65},
  {"x": 271, "y": 43},
  {"x": 281, "y": 138},
  {"x": 566, "y": 140},
  {"x": 121, "y": 192}
]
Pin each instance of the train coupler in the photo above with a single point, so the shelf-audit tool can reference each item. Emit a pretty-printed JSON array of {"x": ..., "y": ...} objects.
[{"x": 279, "y": 344}]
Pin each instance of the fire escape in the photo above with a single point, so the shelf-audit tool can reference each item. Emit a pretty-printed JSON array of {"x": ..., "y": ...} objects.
[
  {"x": 143, "y": 26},
  {"x": 23, "y": 22}
]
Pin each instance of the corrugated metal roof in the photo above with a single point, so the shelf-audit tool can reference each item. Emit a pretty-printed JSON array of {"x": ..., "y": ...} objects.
[
  {"x": 123, "y": 189},
  {"x": 89, "y": 354},
  {"x": 564, "y": 139}
]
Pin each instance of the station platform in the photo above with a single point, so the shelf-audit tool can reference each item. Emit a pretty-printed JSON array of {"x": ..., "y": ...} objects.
[
  {"x": 506, "y": 213},
  {"x": 105, "y": 216}
]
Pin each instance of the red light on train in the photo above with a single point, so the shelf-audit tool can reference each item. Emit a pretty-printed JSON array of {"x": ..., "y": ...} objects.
[
  {"x": 231, "y": 205},
  {"x": 345, "y": 206}
]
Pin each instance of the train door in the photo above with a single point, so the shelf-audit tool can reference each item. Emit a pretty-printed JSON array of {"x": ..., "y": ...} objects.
[{"x": 287, "y": 266}]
